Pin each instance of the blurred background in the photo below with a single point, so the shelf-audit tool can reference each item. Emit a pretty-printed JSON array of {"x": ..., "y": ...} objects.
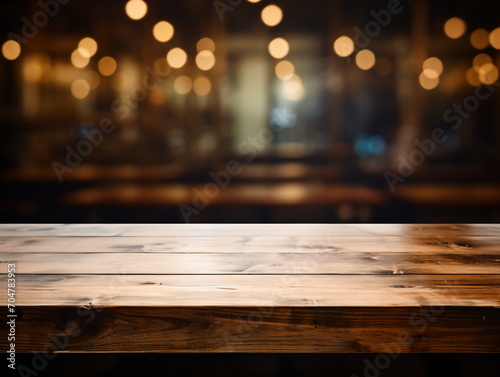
[{"x": 250, "y": 111}]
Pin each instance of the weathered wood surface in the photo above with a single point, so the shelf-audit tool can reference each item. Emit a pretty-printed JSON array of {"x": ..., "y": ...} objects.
[{"x": 255, "y": 288}]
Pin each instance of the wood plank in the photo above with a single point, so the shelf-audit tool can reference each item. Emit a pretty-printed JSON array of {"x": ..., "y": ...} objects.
[
  {"x": 253, "y": 264},
  {"x": 247, "y": 230},
  {"x": 263, "y": 329},
  {"x": 455, "y": 244},
  {"x": 256, "y": 290}
]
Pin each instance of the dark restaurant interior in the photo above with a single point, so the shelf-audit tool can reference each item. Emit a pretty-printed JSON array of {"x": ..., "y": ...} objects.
[{"x": 250, "y": 111}]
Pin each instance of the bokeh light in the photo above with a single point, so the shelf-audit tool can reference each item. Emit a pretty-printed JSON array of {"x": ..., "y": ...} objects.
[
  {"x": 494, "y": 38},
  {"x": 365, "y": 59},
  {"x": 343, "y": 46},
  {"x": 80, "y": 89},
  {"x": 136, "y": 9},
  {"x": 11, "y": 50},
  {"x": 479, "y": 39},
  {"x": 205, "y": 60},
  {"x": 177, "y": 57},
  {"x": 93, "y": 78},
  {"x": 272, "y": 15},
  {"x": 107, "y": 66},
  {"x": 284, "y": 70},
  {"x": 293, "y": 89},
  {"x": 488, "y": 73},
  {"x": 428, "y": 83},
  {"x": 163, "y": 31},
  {"x": 183, "y": 85},
  {"x": 279, "y": 48},
  {"x": 480, "y": 60},
  {"x": 205, "y": 44},
  {"x": 202, "y": 86},
  {"x": 78, "y": 60},
  {"x": 432, "y": 68},
  {"x": 472, "y": 77},
  {"x": 455, "y": 27},
  {"x": 87, "y": 47}
]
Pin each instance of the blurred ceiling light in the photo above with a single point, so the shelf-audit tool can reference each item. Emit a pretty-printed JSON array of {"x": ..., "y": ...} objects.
[
  {"x": 279, "y": 48},
  {"x": 163, "y": 31},
  {"x": 488, "y": 74},
  {"x": 87, "y": 47},
  {"x": 284, "y": 70},
  {"x": 80, "y": 89},
  {"x": 107, "y": 66},
  {"x": 455, "y": 27},
  {"x": 78, "y": 60},
  {"x": 343, "y": 46},
  {"x": 11, "y": 50},
  {"x": 293, "y": 89},
  {"x": 205, "y": 60},
  {"x": 93, "y": 78},
  {"x": 183, "y": 84},
  {"x": 495, "y": 38},
  {"x": 177, "y": 57},
  {"x": 271, "y": 15},
  {"x": 202, "y": 86},
  {"x": 365, "y": 60},
  {"x": 472, "y": 77},
  {"x": 427, "y": 82},
  {"x": 433, "y": 64},
  {"x": 384, "y": 67},
  {"x": 480, "y": 60},
  {"x": 479, "y": 39},
  {"x": 136, "y": 9},
  {"x": 205, "y": 44}
]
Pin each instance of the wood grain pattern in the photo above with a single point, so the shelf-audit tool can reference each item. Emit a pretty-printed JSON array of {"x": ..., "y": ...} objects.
[{"x": 254, "y": 288}]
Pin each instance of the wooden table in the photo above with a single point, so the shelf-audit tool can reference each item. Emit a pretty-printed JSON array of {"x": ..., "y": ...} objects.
[{"x": 255, "y": 288}]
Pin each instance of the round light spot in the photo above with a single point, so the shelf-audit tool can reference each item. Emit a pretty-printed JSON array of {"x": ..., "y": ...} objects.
[
  {"x": 343, "y": 46},
  {"x": 479, "y": 39},
  {"x": 279, "y": 48},
  {"x": 177, "y": 57},
  {"x": 433, "y": 64},
  {"x": 202, "y": 86},
  {"x": 80, "y": 89},
  {"x": 488, "y": 74},
  {"x": 11, "y": 50},
  {"x": 205, "y": 60},
  {"x": 183, "y": 84},
  {"x": 253, "y": 1},
  {"x": 495, "y": 38},
  {"x": 284, "y": 70},
  {"x": 455, "y": 27},
  {"x": 293, "y": 89},
  {"x": 87, "y": 47},
  {"x": 163, "y": 31},
  {"x": 205, "y": 44},
  {"x": 365, "y": 60},
  {"x": 136, "y": 9},
  {"x": 472, "y": 77},
  {"x": 107, "y": 66},
  {"x": 430, "y": 73},
  {"x": 78, "y": 60},
  {"x": 271, "y": 15},
  {"x": 428, "y": 83},
  {"x": 480, "y": 60}
]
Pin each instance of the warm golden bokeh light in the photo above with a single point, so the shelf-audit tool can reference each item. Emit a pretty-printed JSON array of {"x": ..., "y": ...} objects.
[
  {"x": 480, "y": 60},
  {"x": 455, "y": 27},
  {"x": 202, "y": 86},
  {"x": 11, "y": 50},
  {"x": 272, "y": 15},
  {"x": 284, "y": 70},
  {"x": 343, "y": 46},
  {"x": 177, "y": 57},
  {"x": 479, "y": 39},
  {"x": 253, "y": 1},
  {"x": 37, "y": 68},
  {"x": 494, "y": 38},
  {"x": 80, "y": 89},
  {"x": 183, "y": 84},
  {"x": 279, "y": 48},
  {"x": 365, "y": 60},
  {"x": 136, "y": 9},
  {"x": 107, "y": 66},
  {"x": 163, "y": 31},
  {"x": 433, "y": 64},
  {"x": 205, "y": 44},
  {"x": 427, "y": 82},
  {"x": 430, "y": 73},
  {"x": 488, "y": 74},
  {"x": 205, "y": 60},
  {"x": 293, "y": 89},
  {"x": 78, "y": 60},
  {"x": 472, "y": 77},
  {"x": 87, "y": 47},
  {"x": 93, "y": 78}
]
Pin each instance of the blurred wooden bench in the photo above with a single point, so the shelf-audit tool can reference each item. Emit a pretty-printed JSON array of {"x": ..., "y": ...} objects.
[{"x": 255, "y": 288}]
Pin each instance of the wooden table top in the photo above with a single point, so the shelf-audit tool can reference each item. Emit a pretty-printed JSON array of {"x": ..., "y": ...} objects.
[{"x": 255, "y": 288}]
